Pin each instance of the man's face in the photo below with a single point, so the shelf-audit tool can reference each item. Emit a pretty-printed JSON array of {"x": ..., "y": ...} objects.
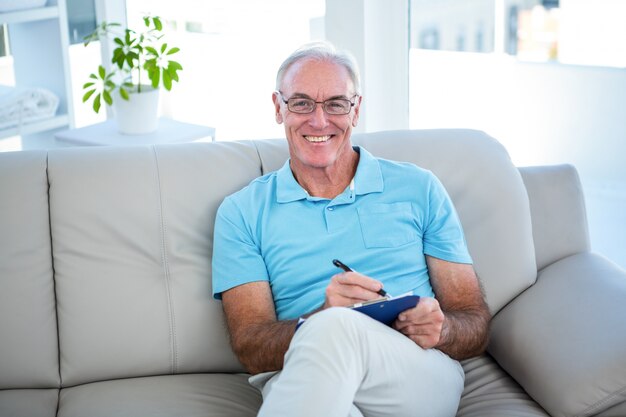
[{"x": 317, "y": 139}]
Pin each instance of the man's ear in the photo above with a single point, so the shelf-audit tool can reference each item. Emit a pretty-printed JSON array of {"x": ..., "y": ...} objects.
[
  {"x": 278, "y": 115},
  {"x": 357, "y": 110}
]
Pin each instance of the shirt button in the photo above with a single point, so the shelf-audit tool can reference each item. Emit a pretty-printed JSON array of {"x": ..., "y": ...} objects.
[{"x": 330, "y": 209}]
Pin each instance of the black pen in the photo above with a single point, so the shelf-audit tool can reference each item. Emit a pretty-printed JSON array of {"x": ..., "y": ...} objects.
[{"x": 346, "y": 268}]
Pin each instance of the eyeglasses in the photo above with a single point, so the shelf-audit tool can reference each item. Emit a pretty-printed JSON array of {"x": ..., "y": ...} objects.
[{"x": 334, "y": 106}]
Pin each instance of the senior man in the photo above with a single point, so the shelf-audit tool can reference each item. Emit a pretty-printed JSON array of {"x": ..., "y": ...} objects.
[{"x": 392, "y": 222}]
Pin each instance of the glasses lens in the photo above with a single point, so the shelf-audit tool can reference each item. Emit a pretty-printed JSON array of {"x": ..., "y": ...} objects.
[
  {"x": 307, "y": 105},
  {"x": 337, "y": 106},
  {"x": 301, "y": 105}
]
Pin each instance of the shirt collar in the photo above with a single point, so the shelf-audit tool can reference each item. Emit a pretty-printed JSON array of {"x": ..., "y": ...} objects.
[{"x": 368, "y": 179}]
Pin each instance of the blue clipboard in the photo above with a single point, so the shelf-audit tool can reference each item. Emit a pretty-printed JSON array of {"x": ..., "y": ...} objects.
[{"x": 386, "y": 310}]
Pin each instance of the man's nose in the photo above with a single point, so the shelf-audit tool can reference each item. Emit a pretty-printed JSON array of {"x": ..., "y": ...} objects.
[{"x": 319, "y": 118}]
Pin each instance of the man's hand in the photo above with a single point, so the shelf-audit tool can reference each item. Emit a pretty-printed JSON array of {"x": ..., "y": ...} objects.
[
  {"x": 457, "y": 323},
  {"x": 423, "y": 323},
  {"x": 349, "y": 288}
]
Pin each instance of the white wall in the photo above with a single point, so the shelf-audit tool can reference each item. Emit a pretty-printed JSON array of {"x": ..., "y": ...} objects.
[
  {"x": 543, "y": 114},
  {"x": 376, "y": 32}
]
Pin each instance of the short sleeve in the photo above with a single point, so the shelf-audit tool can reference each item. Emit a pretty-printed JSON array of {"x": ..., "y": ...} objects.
[
  {"x": 443, "y": 234},
  {"x": 237, "y": 258}
]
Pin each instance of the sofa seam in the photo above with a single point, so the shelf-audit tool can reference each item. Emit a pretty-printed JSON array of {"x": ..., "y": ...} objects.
[
  {"x": 596, "y": 407},
  {"x": 54, "y": 286},
  {"x": 166, "y": 269},
  {"x": 258, "y": 154}
]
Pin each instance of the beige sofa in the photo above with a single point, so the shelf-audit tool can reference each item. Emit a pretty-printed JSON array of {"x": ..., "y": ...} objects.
[{"x": 105, "y": 280}]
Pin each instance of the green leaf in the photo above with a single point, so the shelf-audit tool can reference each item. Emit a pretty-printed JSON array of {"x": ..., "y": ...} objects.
[
  {"x": 119, "y": 61},
  {"x": 87, "y": 85},
  {"x": 124, "y": 93},
  {"x": 174, "y": 65},
  {"x": 110, "y": 84},
  {"x": 146, "y": 21},
  {"x": 172, "y": 68},
  {"x": 152, "y": 50},
  {"x": 96, "y": 104},
  {"x": 107, "y": 97},
  {"x": 91, "y": 37},
  {"x": 118, "y": 57},
  {"x": 88, "y": 94},
  {"x": 118, "y": 41},
  {"x": 173, "y": 51},
  {"x": 155, "y": 76},
  {"x": 101, "y": 72},
  {"x": 163, "y": 47},
  {"x": 157, "y": 23},
  {"x": 150, "y": 64},
  {"x": 94, "y": 76},
  {"x": 167, "y": 80}
]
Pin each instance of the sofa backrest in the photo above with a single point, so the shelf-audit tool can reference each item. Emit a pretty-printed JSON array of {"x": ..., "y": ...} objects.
[
  {"x": 121, "y": 239},
  {"x": 132, "y": 232},
  {"x": 29, "y": 356},
  {"x": 485, "y": 186}
]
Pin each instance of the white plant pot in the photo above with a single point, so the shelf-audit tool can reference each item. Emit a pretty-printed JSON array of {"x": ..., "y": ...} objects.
[{"x": 139, "y": 114}]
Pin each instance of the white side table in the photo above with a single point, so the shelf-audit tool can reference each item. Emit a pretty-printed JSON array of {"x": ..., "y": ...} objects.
[{"x": 105, "y": 133}]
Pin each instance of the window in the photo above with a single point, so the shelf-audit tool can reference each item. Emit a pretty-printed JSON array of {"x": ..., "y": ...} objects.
[
  {"x": 550, "y": 89},
  {"x": 565, "y": 31},
  {"x": 231, "y": 49}
]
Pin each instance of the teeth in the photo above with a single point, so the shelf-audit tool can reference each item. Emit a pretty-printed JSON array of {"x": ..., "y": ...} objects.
[{"x": 317, "y": 138}]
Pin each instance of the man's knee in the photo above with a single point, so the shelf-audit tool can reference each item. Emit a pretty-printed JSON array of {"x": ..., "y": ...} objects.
[
  {"x": 333, "y": 326},
  {"x": 333, "y": 320}
]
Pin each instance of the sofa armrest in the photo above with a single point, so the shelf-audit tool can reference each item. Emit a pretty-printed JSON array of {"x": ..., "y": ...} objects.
[
  {"x": 564, "y": 339},
  {"x": 558, "y": 214}
]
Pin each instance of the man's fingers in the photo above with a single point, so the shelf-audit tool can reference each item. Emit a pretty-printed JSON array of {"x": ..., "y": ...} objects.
[
  {"x": 356, "y": 279},
  {"x": 349, "y": 288}
]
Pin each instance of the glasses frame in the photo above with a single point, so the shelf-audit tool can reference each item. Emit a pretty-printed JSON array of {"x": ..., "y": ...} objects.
[{"x": 323, "y": 103}]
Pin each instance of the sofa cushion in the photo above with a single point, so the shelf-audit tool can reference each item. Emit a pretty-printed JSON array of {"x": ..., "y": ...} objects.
[
  {"x": 29, "y": 402},
  {"x": 491, "y": 392},
  {"x": 28, "y": 328},
  {"x": 558, "y": 212},
  {"x": 132, "y": 235},
  {"x": 563, "y": 339},
  {"x": 173, "y": 395}
]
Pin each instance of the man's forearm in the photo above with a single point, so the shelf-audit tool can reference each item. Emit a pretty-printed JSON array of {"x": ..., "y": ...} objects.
[
  {"x": 262, "y": 347},
  {"x": 465, "y": 333}
]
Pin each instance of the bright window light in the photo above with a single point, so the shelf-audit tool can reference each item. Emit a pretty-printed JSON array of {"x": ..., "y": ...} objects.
[{"x": 230, "y": 51}]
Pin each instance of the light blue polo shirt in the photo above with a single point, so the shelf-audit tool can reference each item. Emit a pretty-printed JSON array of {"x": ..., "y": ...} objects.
[{"x": 272, "y": 230}]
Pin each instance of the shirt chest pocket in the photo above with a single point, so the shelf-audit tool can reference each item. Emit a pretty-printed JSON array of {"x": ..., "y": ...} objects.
[{"x": 387, "y": 225}]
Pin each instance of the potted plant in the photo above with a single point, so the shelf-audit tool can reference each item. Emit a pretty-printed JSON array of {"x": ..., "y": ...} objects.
[{"x": 141, "y": 64}]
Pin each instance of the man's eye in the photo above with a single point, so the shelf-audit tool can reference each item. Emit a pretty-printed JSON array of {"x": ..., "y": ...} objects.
[
  {"x": 301, "y": 103},
  {"x": 337, "y": 104}
]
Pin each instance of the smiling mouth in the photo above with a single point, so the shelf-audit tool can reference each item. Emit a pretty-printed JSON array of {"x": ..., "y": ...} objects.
[{"x": 317, "y": 139}]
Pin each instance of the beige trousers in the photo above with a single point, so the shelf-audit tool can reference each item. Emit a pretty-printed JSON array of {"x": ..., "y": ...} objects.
[{"x": 342, "y": 363}]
